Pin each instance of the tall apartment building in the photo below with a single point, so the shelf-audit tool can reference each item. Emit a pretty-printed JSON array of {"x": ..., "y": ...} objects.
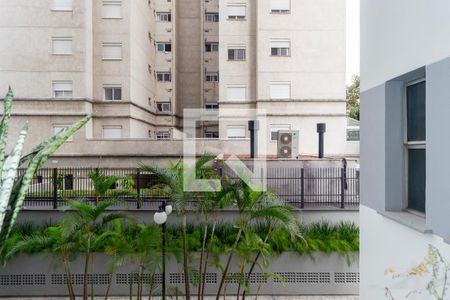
[{"x": 138, "y": 63}]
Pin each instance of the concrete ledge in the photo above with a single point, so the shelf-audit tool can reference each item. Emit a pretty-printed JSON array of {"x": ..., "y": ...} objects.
[{"x": 408, "y": 219}]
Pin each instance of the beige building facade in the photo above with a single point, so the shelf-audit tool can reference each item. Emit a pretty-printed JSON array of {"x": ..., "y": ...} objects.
[{"x": 137, "y": 64}]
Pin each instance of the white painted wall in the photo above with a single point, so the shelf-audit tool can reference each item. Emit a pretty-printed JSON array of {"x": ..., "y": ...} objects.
[
  {"x": 400, "y": 36},
  {"x": 388, "y": 244}
]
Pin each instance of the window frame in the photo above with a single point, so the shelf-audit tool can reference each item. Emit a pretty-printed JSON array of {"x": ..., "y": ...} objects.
[
  {"x": 213, "y": 76},
  {"x": 112, "y": 127},
  {"x": 213, "y": 106},
  {"x": 280, "y": 83},
  {"x": 63, "y": 91},
  {"x": 410, "y": 145},
  {"x": 237, "y": 17},
  {"x": 62, "y": 39},
  {"x": 280, "y": 127},
  {"x": 113, "y": 87},
  {"x": 215, "y": 17},
  {"x": 281, "y": 11},
  {"x": 211, "y": 135},
  {"x": 112, "y": 3},
  {"x": 213, "y": 46},
  {"x": 237, "y": 137},
  {"x": 164, "y": 44},
  {"x": 55, "y": 8},
  {"x": 163, "y": 135},
  {"x": 62, "y": 126},
  {"x": 236, "y": 54},
  {"x": 168, "y": 15},
  {"x": 164, "y": 74},
  {"x": 118, "y": 45},
  {"x": 245, "y": 87},
  {"x": 162, "y": 103}
]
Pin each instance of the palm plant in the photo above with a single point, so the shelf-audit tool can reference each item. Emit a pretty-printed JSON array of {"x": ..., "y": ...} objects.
[
  {"x": 254, "y": 205},
  {"x": 172, "y": 183},
  {"x": 55, "y": 241},
  {"x": 103, "y": 183},
  {"x": 88, "y": 224},
  {"x": 13, "y": 191}
]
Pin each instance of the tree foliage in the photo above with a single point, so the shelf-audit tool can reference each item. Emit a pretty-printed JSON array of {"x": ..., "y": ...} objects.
[{"x": 353, "y": 96}]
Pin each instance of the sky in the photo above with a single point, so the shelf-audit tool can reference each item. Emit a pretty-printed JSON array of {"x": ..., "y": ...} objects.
[{"x": 352, "y": 39}]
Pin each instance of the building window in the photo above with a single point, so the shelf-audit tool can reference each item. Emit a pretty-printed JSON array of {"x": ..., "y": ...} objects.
[
  {"x": 112, "y": 9},
  {"x": 236, "y": 11},
  {"x": 211, "y": 134},
  {"x": 212, "y": 106},
  {"x": 236, "y": 54},
  {"x": 163, "y": 17},
  {"x": 416, "y": 144},
  {"x": 164, "y": 107},
  {"x": 211, "y": 46},
  {"x": 62, "y": 5},
  {"x": 112, "y": 51},
  {"x": 277, "y": 127},
  {"x": 112, "y": 132},
  {"x": 212, "y": 76},
  {"x": 62, "y": 89},
  {"x": 163, "y": 77},
  {"x": 236, "y": 93},
  {"x": 280, "y": 6},
  {"x": 62, "y": 45},
  {"x": 163, "y": 135},
  {"x": 280, "y": 48},
  {"x": 212, "y": 17},
  {"x": 112, "y": 92},
  {"x": 60, "y": 128},
  {"x": 280, "y": 90},
  {"x": 164, "y": 47},
  {"x": 236, "y": 132}
]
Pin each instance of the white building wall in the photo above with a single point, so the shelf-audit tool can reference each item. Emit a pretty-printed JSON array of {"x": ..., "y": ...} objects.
[{"x": 398, "y": 37}]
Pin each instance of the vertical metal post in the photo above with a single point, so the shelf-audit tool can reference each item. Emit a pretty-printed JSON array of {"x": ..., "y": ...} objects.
[
  {"x": 55, "y": 188},
  {"x": 321, "y": 129},
  {"x": 138, "y": 189},
  {"x": 164, "y": 256},
  {"x": 342, "y": 188},
  {"x": 302, "y": 187},
  {"x": 253, "y": 126}
]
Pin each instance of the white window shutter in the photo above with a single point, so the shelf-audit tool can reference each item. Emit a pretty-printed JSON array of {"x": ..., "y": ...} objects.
[
  {"x": 62, "y": 4},
  {"x": 280, "y": 90},
  {"x": 112, "y": 9},
  {"x": 280, "y": 4},
  {"x": 62, "y": 85},
  {"x": 236, "y": 132},
  {"x": 112, "y": 132},
  {"x": 112, "y": 51},
  {"x": 237, "y": 93},
  {"x": 280, "y": 44},
  {"x": 236, "y": 10},
  {"x": 62, "y": 45}
]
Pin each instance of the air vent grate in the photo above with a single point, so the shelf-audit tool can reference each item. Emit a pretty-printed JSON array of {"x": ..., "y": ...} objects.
[
  {"x": 22, "y": 279},
  {"x": 302, "y": 277}
]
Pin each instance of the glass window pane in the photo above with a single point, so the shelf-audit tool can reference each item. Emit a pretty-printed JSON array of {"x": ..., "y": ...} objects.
[
  {"x": 416, "y": 179},
  {"x": 416, "y": 111},
  {"x": 117, "y": 94},
  {"x": 108, "y": 93}
]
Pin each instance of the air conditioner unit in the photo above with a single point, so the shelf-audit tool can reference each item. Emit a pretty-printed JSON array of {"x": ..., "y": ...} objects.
[{"x": 288, "y": 144}]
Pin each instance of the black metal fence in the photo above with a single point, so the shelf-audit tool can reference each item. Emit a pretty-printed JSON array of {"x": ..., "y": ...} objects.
[{"x": 300, "y": 187}]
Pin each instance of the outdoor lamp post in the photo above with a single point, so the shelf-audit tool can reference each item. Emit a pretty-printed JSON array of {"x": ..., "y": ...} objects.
[{"x": 160, "y": 218}]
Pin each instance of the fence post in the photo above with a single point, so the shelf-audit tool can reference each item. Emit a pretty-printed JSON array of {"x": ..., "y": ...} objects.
[
  {"x": 302, "y": 188},
  {"x": 342, "y": 188},
  {"x": 138, "y": 188},
  {"x": 55, "y": 188}
]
